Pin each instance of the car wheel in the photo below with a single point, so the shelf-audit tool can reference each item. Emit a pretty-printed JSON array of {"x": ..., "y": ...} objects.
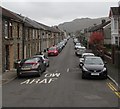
[
  {"x": 18, "y": 75},
  {"x": 39, "y": 72},
  {"x": 105, "y": 77},
  {"x": 83, "y": 76},
  {"x": 48, "y": 64},
  {"x": 44, "y": 69}
]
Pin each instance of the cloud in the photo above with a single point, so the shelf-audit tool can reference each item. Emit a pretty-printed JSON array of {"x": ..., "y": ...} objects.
[{"x": 53, "y": 13}]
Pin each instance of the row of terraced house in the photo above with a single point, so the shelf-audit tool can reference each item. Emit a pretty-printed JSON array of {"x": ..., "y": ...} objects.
[
  {"x": 23, "y": 37},
  {"x": 110, "y": 31}
]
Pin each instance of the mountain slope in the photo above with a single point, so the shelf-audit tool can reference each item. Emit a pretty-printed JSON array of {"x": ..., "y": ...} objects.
[{"x": 79, "y": 24}]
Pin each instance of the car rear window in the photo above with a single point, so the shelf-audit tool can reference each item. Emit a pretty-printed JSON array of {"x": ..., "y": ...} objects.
[
  {"x": 52, "y": 48},
  {"x": 32, "y": 60},
  {"x": 96, "y": 61}
]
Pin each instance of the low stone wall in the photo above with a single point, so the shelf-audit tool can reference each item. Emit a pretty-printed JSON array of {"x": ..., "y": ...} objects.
[
  {"x": 117, "y": 59},
  {"x": 108, "y": 59}
]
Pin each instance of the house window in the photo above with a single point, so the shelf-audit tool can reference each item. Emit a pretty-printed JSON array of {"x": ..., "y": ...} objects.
[
  {"x": 18, "y": 50},
  {"x": 115, "y": 24},
  {"x": 18, "y": 30},
  {"x": 10, "y": 29},
  {"x": 36, "y": 34},
  {"x": 33, "y": 34},
  {"x": 28, "y": 34},
  {"x": 6, "y": 29},
  {"x": 116, "y": 40}
]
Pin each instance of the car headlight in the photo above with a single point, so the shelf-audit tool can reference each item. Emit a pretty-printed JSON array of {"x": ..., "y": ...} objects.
[
  {"x": 84, "y": 69},
  {"x": 104, "y": 69}
]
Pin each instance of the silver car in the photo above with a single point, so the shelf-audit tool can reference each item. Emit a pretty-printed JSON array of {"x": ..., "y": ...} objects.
[{"x": 45, "y": 58}]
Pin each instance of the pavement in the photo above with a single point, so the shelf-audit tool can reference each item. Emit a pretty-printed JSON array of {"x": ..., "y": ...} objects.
[
  {"x": 8, "y": 76},
  {"x": 114, "y": 74}
]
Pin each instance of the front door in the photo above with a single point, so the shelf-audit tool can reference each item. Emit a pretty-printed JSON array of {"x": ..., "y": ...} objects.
[{"x": 7, "y": 57}]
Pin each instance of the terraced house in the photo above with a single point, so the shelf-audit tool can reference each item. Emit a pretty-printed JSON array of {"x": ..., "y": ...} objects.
[
  {"x": 115, "y": 25},
  {"x": 23, "y": 37},
  {"x": 11, "y": 39}
]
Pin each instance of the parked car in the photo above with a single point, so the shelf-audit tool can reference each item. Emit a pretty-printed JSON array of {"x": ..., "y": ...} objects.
[
  {"x": 65, "y": 40},
  {"x": 83, "y": 57},
  {"x": 78, "y": 45},
  {"x": 31, "y": 66},
  {"x": 80, "y": 51},
  {"x": 75, "y": 40},
  {"x": 59, "y": 47},
  {"x": 53, "y": 51},
  {"x": 62, "y": 43},
  {"x": 93, "y": 66},
  {"x": 44, "y": 57}
]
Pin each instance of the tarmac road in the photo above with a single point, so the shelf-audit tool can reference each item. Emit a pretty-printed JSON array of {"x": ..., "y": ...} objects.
[{"x": 60, "y": 86}]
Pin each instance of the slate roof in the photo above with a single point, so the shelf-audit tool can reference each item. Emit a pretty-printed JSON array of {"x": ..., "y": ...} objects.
[
  {"x": 98, "y": 27},
  {"x": 10, "y": 15},
  {"x": 27, "y": 21},
  {"x": 114, "y": 11}
]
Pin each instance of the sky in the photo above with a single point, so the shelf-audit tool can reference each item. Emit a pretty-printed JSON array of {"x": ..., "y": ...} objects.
[{"x": 54, "y": 12}]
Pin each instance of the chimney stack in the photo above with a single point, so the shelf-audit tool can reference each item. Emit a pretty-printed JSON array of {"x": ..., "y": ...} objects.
[{"x": 103, "y": 21}]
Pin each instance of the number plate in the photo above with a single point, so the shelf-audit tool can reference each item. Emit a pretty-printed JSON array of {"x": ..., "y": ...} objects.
[
  {"x": 94, "y": 73},
  {"x": 25, "y": 68}
]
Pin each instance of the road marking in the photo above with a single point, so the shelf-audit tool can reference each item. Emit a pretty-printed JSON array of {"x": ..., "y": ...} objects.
[
  {"x": 68, "y": 69},
  {"x": 113, "y": 80},
  {"x": 113, "y": 89},
  {"x": 118, "y": 94},
  {"x": 39, "y": 81},
  {"x": 48, "y": 78},
  {"x": 52, "y": 75},
  {"x": 110, "y": 87}
]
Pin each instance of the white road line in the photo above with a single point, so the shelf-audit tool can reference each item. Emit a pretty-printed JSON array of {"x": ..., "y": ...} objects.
[
  {"x": 113, "y": 81},
  {"x": 68, "y": 69}
]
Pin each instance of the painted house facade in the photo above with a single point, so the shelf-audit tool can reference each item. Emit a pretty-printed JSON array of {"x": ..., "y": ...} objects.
[
  {"x": 115, "y": 25},
  {"x": 107, "y": 34},
  {"x": 99, "y": 29}
]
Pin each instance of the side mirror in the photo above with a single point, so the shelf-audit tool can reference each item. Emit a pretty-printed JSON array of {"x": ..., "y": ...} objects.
[
  {"x": 105, "y": 62},
  {"x": 82, "y": 63}
]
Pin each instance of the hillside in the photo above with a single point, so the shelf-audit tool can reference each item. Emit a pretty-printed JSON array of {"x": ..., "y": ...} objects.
[{"x": 79, "y": 24}]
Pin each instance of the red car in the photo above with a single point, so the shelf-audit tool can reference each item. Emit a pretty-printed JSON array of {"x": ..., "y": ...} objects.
[{"x": 52, "y": 51}]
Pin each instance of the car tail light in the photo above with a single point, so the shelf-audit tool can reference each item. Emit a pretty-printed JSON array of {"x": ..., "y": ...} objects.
[{"x": 55, "y": 51}]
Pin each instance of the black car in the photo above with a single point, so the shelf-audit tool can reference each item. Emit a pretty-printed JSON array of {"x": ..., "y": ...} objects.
[
  {"x": 94, "y": 66},
  {"x": 31, "y": 66}
]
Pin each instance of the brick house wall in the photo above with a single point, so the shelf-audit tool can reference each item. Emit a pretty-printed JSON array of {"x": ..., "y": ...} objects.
[
  {"x": 0, "y": 42},
  {"x": 12, "y": 44}
]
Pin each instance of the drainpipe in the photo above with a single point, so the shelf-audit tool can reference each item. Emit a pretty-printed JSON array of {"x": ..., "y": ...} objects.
[{"x": 23, "y": 38}]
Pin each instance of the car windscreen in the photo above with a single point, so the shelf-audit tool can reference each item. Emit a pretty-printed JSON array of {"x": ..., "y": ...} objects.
[
  {"x": 93, "y": 61},
  {"x": 52, "y": 48},
  {"x": 87, "y": 55},
  {"x": 81, "y": 49},
  {"x": 32, "y": 60},
  {"x": 78, "y": 44}
]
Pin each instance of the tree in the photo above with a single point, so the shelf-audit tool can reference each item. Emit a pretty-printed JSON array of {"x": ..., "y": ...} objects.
[{"x": 96, "y": 38}]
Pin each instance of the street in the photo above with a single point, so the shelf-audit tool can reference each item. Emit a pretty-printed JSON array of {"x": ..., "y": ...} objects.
[{"x": 60, "y": 86}]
